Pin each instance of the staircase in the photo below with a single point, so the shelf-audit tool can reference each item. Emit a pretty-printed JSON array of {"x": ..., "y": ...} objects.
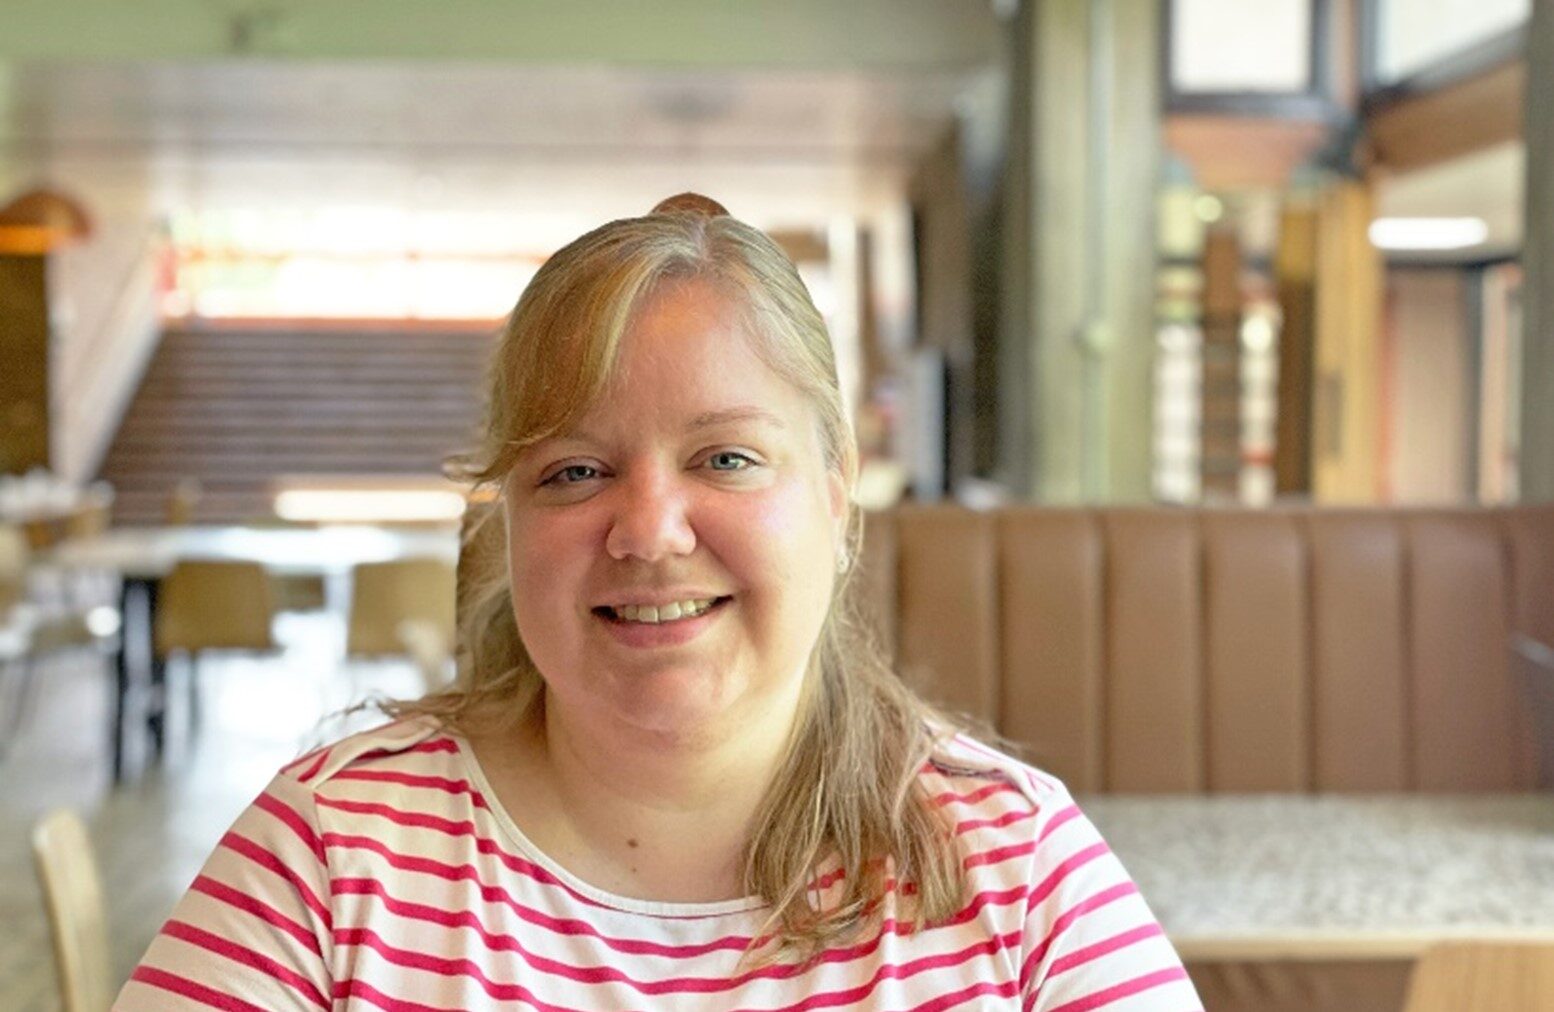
[{"x": 236, "y": 409}]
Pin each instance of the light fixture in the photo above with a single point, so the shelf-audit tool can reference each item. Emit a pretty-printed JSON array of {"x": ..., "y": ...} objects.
[
  {"x": 1427, "y": 233},
  {"x": 368, "y": 506},
  {"x": 42, "y": 220}
]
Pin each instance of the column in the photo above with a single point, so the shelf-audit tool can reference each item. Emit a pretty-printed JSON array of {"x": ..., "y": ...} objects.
[
  {"x": 1078, "y": 302},
  {"x": 1537, "y": 396}
]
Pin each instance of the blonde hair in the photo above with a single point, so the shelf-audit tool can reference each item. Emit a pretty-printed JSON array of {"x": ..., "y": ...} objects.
[{"x": 848, "y": 787}]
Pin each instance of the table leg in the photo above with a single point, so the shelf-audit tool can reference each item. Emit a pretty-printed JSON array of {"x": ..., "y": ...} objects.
[
  {"x": 136, "y": 598},
  {"x": 156, "y": 710},
  {"x": 129, "y": 601},
  {"x": 121, "y": 684}
]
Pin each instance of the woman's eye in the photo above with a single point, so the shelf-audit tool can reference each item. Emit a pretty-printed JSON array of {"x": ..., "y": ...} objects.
[
  {"x": 728, "y": 460},
  {"x": 571, "y": 475}
]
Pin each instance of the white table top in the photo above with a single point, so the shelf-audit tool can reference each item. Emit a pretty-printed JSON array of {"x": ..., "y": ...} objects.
[
  {"x": 148, "y": 552},
  {"x": 1335, "y": 877}
]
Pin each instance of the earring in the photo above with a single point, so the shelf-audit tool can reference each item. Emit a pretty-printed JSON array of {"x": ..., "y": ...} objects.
[{"x": 842, "y": 562}]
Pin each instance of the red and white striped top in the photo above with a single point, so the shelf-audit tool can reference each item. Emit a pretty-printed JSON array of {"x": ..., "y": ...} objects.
[{"x": 381, "y": 874}]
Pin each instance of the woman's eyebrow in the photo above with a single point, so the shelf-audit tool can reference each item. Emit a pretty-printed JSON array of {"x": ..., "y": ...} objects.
[{"x": 742, "y": 413}]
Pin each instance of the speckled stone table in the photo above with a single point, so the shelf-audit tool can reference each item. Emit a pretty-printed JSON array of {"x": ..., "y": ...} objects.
[{"x": 1336, "y": 877}]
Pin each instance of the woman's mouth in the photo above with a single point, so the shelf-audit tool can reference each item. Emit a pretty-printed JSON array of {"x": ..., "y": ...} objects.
[{"x": 647, "y": 614}]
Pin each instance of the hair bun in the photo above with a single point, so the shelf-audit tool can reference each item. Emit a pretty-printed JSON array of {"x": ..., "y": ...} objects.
[{"x": 690, "y": 203}]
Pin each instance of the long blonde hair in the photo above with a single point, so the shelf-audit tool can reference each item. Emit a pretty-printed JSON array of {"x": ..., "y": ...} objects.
[{"x": 848, "y": 787}]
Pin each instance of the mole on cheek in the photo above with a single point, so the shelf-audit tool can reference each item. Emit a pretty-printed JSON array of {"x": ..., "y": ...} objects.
[{"x": 631, "y": 843}]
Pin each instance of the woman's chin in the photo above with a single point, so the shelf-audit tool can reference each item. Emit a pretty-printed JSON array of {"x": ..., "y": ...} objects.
[{"x": 673, "y": 705}]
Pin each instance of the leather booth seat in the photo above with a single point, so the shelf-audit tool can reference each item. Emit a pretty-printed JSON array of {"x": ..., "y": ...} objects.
[
  {"x": 1162, "y": 650},
  {"x": 1156, "y": 650}
]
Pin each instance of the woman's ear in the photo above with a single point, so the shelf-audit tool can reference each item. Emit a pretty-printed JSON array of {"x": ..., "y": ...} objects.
[{"x": 838, "y": 502}]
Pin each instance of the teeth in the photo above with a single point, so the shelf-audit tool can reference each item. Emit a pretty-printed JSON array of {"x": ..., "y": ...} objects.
[{"x": 662, "y": 613}]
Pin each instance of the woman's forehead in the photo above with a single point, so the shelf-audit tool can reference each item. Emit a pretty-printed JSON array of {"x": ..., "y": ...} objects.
[{"x": 687, "y": 359}]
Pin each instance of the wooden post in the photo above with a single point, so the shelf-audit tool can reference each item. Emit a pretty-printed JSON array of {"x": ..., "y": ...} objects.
[
  {"x": 1220, "y": 397},
  {"x": 1347, "y": 410},
  {"x": 1294, "y": 269}
]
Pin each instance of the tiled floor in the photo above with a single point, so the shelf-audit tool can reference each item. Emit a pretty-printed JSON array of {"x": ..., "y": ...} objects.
[{"x": 153, "y": 834}]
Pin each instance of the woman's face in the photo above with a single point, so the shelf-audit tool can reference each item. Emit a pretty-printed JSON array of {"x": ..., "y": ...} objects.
[{"x": 673, "y": 556}]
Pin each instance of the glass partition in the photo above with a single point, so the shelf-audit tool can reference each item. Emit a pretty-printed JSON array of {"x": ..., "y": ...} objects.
[
  {"x": 1412, "y": 35},
  {"x": 1220, "y": 46}
]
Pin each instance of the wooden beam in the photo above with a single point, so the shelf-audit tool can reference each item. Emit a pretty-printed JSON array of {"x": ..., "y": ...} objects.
[
  {"x": 1456, "y": 120},
  {"x": 1235, "y": 152},
  {"x": 802, "y": 246}
]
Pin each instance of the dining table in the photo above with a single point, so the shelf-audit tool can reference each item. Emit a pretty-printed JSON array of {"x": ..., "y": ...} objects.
[
  {"x": 1271, "y": 896},
  {"x": 143, "y": 556}
]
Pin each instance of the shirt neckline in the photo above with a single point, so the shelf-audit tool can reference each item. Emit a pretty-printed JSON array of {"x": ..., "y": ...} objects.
[{"x": 626, "y": 904}]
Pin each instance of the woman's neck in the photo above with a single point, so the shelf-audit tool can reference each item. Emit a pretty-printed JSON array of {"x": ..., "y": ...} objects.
[{"x": 647, "y": 816}]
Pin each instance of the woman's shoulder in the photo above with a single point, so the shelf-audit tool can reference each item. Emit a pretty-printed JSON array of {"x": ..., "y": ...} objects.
[
  {"x": 983, "y": 786},
  {"x": 421, "y": 742}
]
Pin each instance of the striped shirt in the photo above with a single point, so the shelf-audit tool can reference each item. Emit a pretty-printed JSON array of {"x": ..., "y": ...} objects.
[{"x": 380, "y": 873}]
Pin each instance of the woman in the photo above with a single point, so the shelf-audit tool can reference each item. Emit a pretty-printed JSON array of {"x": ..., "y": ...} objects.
[{"x": 672, "y": 774}]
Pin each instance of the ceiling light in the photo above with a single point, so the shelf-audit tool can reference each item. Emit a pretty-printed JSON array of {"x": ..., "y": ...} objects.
[
  {"x": 364, "y": 506},
  {"x": 1427, "y": 233}
]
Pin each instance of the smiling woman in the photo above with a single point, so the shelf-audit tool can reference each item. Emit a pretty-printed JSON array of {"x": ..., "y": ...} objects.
[{"x": 673, "y": 771}]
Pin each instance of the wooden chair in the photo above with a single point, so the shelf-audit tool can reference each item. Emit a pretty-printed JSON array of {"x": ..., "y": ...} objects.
[
  {"x": 94, "y": 514},
  {"x": 14, "y": 553},
  {"x": 182, "y": 502},
  {"x": 72, "y": 894},
  {"x": 212, "y": 605},
  {"x": 386, "y": 595},
  {"x": 1484, "y": 977}
]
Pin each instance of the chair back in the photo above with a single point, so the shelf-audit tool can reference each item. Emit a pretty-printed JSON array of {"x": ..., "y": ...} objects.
[
  {"x": 1483, "y": 977},
  {"x": 215, "y": 605},
  {"x": 72, "y": 893},
  {"x": 183, "y": 501},
  {"x": 385, "y": 595}
]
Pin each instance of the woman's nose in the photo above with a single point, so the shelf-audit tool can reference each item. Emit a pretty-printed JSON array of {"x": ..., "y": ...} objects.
[{"x": 650, "y": 521}]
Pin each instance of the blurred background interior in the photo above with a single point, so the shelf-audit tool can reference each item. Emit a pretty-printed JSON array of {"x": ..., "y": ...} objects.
[{"x": 1218, "y": 335}]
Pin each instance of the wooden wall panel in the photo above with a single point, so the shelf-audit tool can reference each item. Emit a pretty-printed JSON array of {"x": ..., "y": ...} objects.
[
  {"x": 1467, "y": 732},
  {"x": 1361, "y": 736},
  {"x": 947, "y": 593},
  {"x": 1051, "y": 568},
  {"x": 1154, "y": 653},
  {"x": 1258, "y": 731}
]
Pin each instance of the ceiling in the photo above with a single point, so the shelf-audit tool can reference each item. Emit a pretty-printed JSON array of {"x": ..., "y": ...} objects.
[
  {"x": 547, "y": 140},
  {"x": 783, "y": 109}
]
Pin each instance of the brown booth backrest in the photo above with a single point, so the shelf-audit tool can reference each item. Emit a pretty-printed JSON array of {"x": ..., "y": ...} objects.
[{"x": 1171, "y": 650}]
